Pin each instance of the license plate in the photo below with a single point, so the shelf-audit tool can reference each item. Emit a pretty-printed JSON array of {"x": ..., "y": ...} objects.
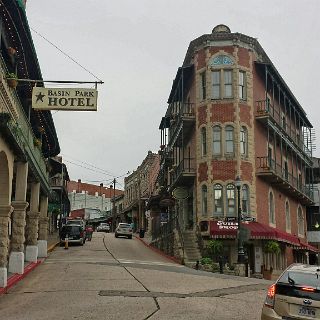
[{"x": 307, "y": 312}]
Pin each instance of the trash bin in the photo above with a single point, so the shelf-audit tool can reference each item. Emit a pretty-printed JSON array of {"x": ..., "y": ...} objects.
[{"x": 141, "y": 233}]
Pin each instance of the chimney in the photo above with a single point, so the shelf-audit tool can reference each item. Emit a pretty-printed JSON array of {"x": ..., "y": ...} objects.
[
  {"x": 101, "y": 186},
  {"x": 79, "y": 185}
]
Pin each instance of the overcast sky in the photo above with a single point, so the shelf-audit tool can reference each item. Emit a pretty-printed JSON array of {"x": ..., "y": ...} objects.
[{"x": 136, "y": 47}]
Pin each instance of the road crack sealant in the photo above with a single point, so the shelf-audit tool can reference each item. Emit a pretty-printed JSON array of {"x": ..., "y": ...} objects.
[{"x": 132, "y": 275}]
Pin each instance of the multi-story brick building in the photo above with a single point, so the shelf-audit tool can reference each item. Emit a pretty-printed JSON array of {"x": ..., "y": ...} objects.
[{"x": 230, "y": 114}]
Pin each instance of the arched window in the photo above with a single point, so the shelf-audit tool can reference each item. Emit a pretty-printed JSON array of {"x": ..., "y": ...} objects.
[
  {"x": 204, "y": 192},
  {"x": 229, "y": 139},
  {"x": 300, "y": 221},
  {"x": 288, "y": 218},
  {"x": 216, "y": 140},
  {"x": 244, "y": 141},
  {"x": 245, "y": 200},
  {"x": 203, "y": 141},
  {"x": 218, "y": 199},
  {"x": 231, "y": 200},
  {"x": 271, "y": 208}
]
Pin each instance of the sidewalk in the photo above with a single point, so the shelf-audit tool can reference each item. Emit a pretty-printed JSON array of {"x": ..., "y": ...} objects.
[{"x": 13, "y": 278}]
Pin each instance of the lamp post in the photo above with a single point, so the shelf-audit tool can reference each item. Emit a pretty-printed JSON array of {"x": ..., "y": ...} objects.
[{"x": 239, "y": 235}]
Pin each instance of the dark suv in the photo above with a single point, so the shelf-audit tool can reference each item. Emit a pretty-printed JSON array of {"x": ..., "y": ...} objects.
[{"x": 75, "y": 234}]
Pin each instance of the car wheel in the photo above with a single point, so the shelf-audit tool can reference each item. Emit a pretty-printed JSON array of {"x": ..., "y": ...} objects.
[
  {"x": 129, "y": 237},
  {"x": 116, "y": 235}
]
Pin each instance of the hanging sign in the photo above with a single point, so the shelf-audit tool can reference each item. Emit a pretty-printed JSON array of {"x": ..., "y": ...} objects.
[
  {"x": 180, "y": 193},
  {"x": 78, "y": 99}
]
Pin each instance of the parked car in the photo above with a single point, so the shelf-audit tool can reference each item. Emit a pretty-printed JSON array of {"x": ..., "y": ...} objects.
[
  {"x": 295, "y": 295},
  {"x": 123, "y": 229},
  {"x": 103, "y": 227},
  {"x": 75, "y": 234}
]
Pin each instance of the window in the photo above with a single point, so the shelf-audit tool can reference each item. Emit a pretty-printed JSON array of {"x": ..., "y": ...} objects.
[
  {"x": 244, "y": 141},
  {"x": 283, "y": 121},
  {"x": 245, "y": 200},
  {"x": 203, "y": 92},
  {"x": 288, "y": 218},
  {"x": 231, "y": 200},
  {"x": 218, "y": 199},
  {"x": 216, "y": 84},
  {"x": 216, "y": 140},
  {"x": 286, "y": 172},
  {"x": 204, "y": 141},
  {"x": 300, "y": 221},
  {"x": 242, "y": 85},
  {"x": 229, "y": 139},
  {"x": 271, "y": 208},
  {"x": 204, "y": 192},
  {"x": 227, "y": 83}
]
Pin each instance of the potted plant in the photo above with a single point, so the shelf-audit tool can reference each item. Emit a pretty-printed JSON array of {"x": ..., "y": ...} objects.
[
  {"x": 272, "y": 247},
  {"x": 12, "y": 79}
]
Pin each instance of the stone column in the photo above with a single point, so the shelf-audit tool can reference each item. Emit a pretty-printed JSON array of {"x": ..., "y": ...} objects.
[
  {"x": 43, "y": 228},
  {"x": 5, "y": 212},
  {"x": 16, "y": 258},
  {"x": 32, "y": 224}
]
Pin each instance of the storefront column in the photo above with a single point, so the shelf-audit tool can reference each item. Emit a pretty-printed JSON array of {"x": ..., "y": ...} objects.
[
  {"x": 16, "y": 258},
  {"x": 5, "y": 212},
  {"x": 43, "y": 228},
  {"x": 32, "y": 224}
]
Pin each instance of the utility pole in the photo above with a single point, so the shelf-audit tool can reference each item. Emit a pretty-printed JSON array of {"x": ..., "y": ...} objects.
[{"x": 113, "y": 205}]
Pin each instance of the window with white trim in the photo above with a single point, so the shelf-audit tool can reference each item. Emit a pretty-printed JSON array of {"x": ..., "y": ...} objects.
[
  {"x": 300, "y": 221},
  {"x": 244, "y": 141},
  {"x": 245, "y": 200},
  {"x": 288, "y": 218},
  {"x": 229, "y": 139},
  {"x": 216, "y": 140},
  {"x": 242, "y": 85},
  {"x": 218, "y": 199},
  {"x": 231, "y": 200},
  {"x": 204, "y": 193},
  {"x": 203, "y": 141},
  {"x": 271, "y": 208}
]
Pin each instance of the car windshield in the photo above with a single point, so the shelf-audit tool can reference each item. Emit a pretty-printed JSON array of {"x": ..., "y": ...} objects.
[
  {"x": 124, "y": 225},
  {"x": 301, "y": 279}
]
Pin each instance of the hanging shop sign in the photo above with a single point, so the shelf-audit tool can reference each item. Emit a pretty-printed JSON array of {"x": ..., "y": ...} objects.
[
  {"x": 180, "y": 193},
  {"x": 78, "y": 99}
]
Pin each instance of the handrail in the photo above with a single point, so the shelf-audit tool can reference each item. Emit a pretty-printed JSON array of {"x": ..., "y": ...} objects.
[
  {"x": 199, "y": 239},
  {"x": 180, "y": 236},
  {"x": 265, "y": 107}
]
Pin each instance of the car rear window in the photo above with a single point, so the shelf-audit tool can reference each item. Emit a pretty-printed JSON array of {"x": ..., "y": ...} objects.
[
  {"x": 124, "y": 225},
  {"x": 296, "y": 284},
  {"x": 71, "y": 230}
]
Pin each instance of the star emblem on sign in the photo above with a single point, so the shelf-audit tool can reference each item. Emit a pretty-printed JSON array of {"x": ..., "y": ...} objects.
[{"x": 39, "y": 96}]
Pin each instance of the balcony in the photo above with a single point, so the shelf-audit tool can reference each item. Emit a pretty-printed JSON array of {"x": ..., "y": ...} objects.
[
  {"x": 276, "y": 175},
  {"x": 183, "y": 174},
  {"x": 265, "y": 112},
  {"x": 181, "y": 124},
  {"x": 14, "y": 125}
]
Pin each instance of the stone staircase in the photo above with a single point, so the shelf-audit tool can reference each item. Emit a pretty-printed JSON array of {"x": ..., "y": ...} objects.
[{"x": 191, "y": 248}]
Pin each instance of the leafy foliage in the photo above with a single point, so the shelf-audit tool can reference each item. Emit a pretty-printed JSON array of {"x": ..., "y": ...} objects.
[{"x": 272, "y": 247}]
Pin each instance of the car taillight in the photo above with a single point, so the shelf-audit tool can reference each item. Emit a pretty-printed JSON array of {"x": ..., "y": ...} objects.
[
  {"x": 269, "y": 302},
  {"x": 309, "y": 289}
]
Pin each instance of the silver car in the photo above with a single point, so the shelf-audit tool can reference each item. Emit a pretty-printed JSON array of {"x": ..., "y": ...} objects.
[{"x": 123, "y": 229}]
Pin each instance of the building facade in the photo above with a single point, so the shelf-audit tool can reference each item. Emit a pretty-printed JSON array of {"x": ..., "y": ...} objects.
[
  {"x": 230, "y": 114},
  {"x": 27, "y": 139}
]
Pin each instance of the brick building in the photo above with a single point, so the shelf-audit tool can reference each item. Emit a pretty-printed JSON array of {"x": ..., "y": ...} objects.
[{"x": 230, "y": 114}]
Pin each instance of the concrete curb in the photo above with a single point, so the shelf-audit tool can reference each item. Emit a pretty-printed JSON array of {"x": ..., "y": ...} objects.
[
  {"x": 17, "y": 277},
  {"x": 158, "y": 251}
]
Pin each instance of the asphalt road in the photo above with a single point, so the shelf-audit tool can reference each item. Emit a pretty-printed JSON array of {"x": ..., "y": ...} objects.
[{"x": 118, "y": 278}]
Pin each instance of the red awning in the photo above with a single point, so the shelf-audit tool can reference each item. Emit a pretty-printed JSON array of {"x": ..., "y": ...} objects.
[
  {"x": 228, "y": 230},
  {"x": 307, "y": 246}
]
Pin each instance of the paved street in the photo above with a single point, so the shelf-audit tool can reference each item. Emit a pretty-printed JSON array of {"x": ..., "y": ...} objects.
[{"x": 111, "y": 278}]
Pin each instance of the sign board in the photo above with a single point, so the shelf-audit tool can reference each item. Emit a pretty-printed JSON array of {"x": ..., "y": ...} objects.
[
  {"x": 164, "y": 217},
  {"x": 78, "y": 99},
  {"x": 227, "y": 225},
  {"x": 180, "y": 193}
]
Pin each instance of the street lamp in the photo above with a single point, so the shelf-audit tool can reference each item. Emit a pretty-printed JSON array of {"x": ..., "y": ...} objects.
[{"x": 239, "y": 236}]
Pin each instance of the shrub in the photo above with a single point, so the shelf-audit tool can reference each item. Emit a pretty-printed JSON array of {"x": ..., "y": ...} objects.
[{"x": 206, "y": 260}]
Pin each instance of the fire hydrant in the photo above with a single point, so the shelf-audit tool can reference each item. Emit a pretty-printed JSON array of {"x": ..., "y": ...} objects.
[{"x": 66, "y": 244}]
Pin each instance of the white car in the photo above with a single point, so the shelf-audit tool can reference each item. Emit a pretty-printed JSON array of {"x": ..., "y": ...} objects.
[
  {"x": 123, "y": 229},
  {"x": 103, "y": 227}
]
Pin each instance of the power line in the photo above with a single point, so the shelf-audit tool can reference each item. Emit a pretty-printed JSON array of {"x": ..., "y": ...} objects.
[
  {"x": 79, "y": 165},
  {"x": 55, "y": 46}
]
